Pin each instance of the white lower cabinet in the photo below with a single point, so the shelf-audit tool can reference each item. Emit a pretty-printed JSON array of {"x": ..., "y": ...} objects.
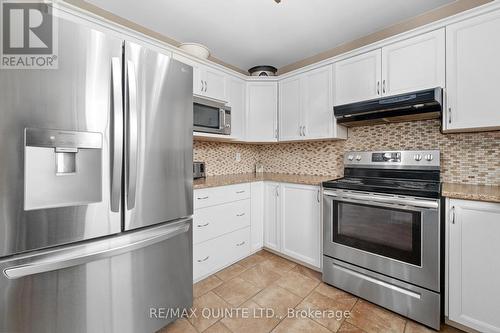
[
  {"x": 300, "y": 223},
  {"x": 292, "y": 223},
  {"x": 221, "y": 228},
  {"x": 272, "y": 216},
  {"x": 214, "y": 254},
  {"x": 257, "y": 215},
  {"x": 473, "y": 264}
]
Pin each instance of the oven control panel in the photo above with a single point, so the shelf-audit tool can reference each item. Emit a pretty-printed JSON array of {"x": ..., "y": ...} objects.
[
  {"x": 386, "y": 157},
  {"x": 393, "y": 159}
]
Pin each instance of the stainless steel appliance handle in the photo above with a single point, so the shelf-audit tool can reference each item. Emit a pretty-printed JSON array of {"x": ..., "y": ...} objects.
[
  {"x": 116, "y": 133},
  {"x": 378, "y": 282},
  {"x": 132, "y": 134},
  {"x": 82, "y": 255},
  {"x": 365, "y": 198},
  {"x": 222, "y": 118}
]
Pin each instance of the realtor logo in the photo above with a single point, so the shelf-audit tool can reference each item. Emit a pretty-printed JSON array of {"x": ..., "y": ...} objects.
[{"x": 28, "y": 35}]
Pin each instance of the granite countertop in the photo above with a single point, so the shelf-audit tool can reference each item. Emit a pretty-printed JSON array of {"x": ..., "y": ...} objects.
[
  {"x": 223, "y": 180},
  {"x": 471, "y": 192}
]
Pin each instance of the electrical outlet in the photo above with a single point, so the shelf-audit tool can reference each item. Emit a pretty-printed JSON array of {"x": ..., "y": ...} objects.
[{"x": 238, "y": 157}]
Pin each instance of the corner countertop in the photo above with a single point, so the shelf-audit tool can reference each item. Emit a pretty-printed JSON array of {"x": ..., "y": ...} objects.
[
  {"x": 223, "y": 180},
  {"x": 487, "y": 193}
]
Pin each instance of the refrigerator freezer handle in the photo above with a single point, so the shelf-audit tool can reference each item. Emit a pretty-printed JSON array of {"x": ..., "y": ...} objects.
[
  {"x": 116, "y": 133},
  {"x": 132, "y": 134},
  {"x": 93, "y": 252}
]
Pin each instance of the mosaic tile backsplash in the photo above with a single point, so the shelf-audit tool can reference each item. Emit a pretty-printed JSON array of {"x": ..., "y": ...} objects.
[{"x": 472, "y": 158}]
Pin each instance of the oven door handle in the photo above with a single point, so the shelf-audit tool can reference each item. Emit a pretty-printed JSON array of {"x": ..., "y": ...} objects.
[{"x": 392, "y": 201}]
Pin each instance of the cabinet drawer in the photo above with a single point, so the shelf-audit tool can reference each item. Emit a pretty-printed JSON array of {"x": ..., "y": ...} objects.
[
  {"x": 212, "y": 255},
  {"x": 214, "y": 221},
  {"x": 218, "y": 195}
]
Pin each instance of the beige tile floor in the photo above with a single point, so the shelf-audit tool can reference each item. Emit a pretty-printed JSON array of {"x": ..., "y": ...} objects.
[{"x": 267, "y": 281}]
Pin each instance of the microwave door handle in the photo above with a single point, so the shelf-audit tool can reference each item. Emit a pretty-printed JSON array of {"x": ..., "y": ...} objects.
[
  {"x": 222, "y": 119},
  {"x": 132, "y": 135},
  {"x": 116, "y": 133}
]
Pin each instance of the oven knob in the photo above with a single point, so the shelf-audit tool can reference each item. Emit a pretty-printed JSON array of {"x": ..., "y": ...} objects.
[
  {"x": 429, "y": 157},
  {"x": 350, "y": 157},
  {"x": 358, "y": 157},
  {"x": 417, "y": 157}
]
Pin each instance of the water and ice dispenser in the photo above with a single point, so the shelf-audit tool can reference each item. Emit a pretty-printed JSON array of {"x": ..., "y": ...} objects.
[{"x": 61, "y": 168}]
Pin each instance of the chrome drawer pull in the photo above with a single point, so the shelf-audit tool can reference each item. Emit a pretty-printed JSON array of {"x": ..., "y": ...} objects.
[
  {"x": 203, "y": 198},
  {"x": 240, "y": 244},
  {"x": 203, "y": 225},
  {"x": 239, "y": 215},
  {"x": 239, "y": 192},
  {"x": 204, "y": 259}
]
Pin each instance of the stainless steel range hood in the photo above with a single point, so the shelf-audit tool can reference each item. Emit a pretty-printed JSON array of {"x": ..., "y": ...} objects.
[{"x": 420, "y": 105}]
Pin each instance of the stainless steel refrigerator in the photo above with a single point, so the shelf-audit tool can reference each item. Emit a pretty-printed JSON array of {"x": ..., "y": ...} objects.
[{"x": 95, "y": 188}]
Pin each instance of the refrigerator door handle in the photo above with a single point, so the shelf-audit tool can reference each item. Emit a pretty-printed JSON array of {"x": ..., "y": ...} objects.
[
  {"x": 81, "y": 255},
  {"x": 132, "y": 134},
  {"x": 117, "y": 133}
]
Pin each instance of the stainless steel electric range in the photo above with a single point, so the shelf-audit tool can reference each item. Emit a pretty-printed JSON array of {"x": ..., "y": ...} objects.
[{"x": 382, "y": 231}]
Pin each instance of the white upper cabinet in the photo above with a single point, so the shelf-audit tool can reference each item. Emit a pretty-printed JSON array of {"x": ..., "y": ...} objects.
[
  {"x": 235, "y": 89},
  {"x": 358, "y": 78},
  {"x": 301, "y": 223},
  {"x": 414, "y": 64},
  {"x": 215, "y": 81},
  {"x": 474, "y": 266},
  {"x": 317, "y": 93},
  {"x": 290, "y": 109},
  {"x": 473, "y": 73},
  {"x": 262, "y": 111},
  {"x": 409, "y": 65},
  {"x": 306, "y": 107},
  {"x": 207, "y": 81}
]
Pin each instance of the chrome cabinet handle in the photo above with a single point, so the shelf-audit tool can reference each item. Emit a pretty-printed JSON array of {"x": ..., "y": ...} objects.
[
  {"x": 317, "y": 196},
  {"x": 240, "y": 244},
  {"x": 239, "y": 192},
  {"x": 202, "y": 198},
  {"x": 277, "y": 191},
  {"x": 300, "y": 130},
  {"x": 239, "y": 215},
  {"x": 203, "y": 225},
  {"x": 452, "y": 217},
  {"x": 383, "y": 86},
  {"x": 303, "y": 130},
  {"x": 117, "y": 136},
  {"x": 206, "y": 86},
  {"x": 133, "y": 136},
  {"x": 204, "y": 259},
  {"x": 378, "y": 87},
  {"x": 449, "y": 115},
  {"x": 202, "y": 85}
]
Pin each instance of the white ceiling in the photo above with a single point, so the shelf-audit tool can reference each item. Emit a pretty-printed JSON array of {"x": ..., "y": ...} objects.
[{"x": 246, "y": 33}]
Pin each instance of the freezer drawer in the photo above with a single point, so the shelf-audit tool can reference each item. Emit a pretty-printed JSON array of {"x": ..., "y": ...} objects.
[{"x": 111, "y": 285}]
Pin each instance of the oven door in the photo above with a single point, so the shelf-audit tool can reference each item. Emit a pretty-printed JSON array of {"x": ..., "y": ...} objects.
[
  {"x": 208, "y": 118},
  {"x": 392, "y": 235}
]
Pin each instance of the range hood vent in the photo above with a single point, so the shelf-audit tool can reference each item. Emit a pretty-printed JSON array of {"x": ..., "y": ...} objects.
[{"x": 420, "y": 105}]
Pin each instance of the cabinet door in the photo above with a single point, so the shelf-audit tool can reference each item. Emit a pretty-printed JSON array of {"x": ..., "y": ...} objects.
[
  {"x": 474, "y": 266},
  {"x": 257, "y": 215},
  {"x": 358, "y": 78},
  {"x": 262, "y": 112},
  {"x": 317, "y": 114},
  {"x": 236, "y": 100},
  {"x": 290, "y": 109},
  {"x": 473, "y": 73},
  {"x": 271, "y": 216},
  {"x": 214, "y": 84},
  {"x": 414, "y": 64},
  {"x": 300, "y": 223}
]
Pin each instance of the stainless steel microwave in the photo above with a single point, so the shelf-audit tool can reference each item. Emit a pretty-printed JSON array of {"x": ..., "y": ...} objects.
[{"x": 211, "y": 117}]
